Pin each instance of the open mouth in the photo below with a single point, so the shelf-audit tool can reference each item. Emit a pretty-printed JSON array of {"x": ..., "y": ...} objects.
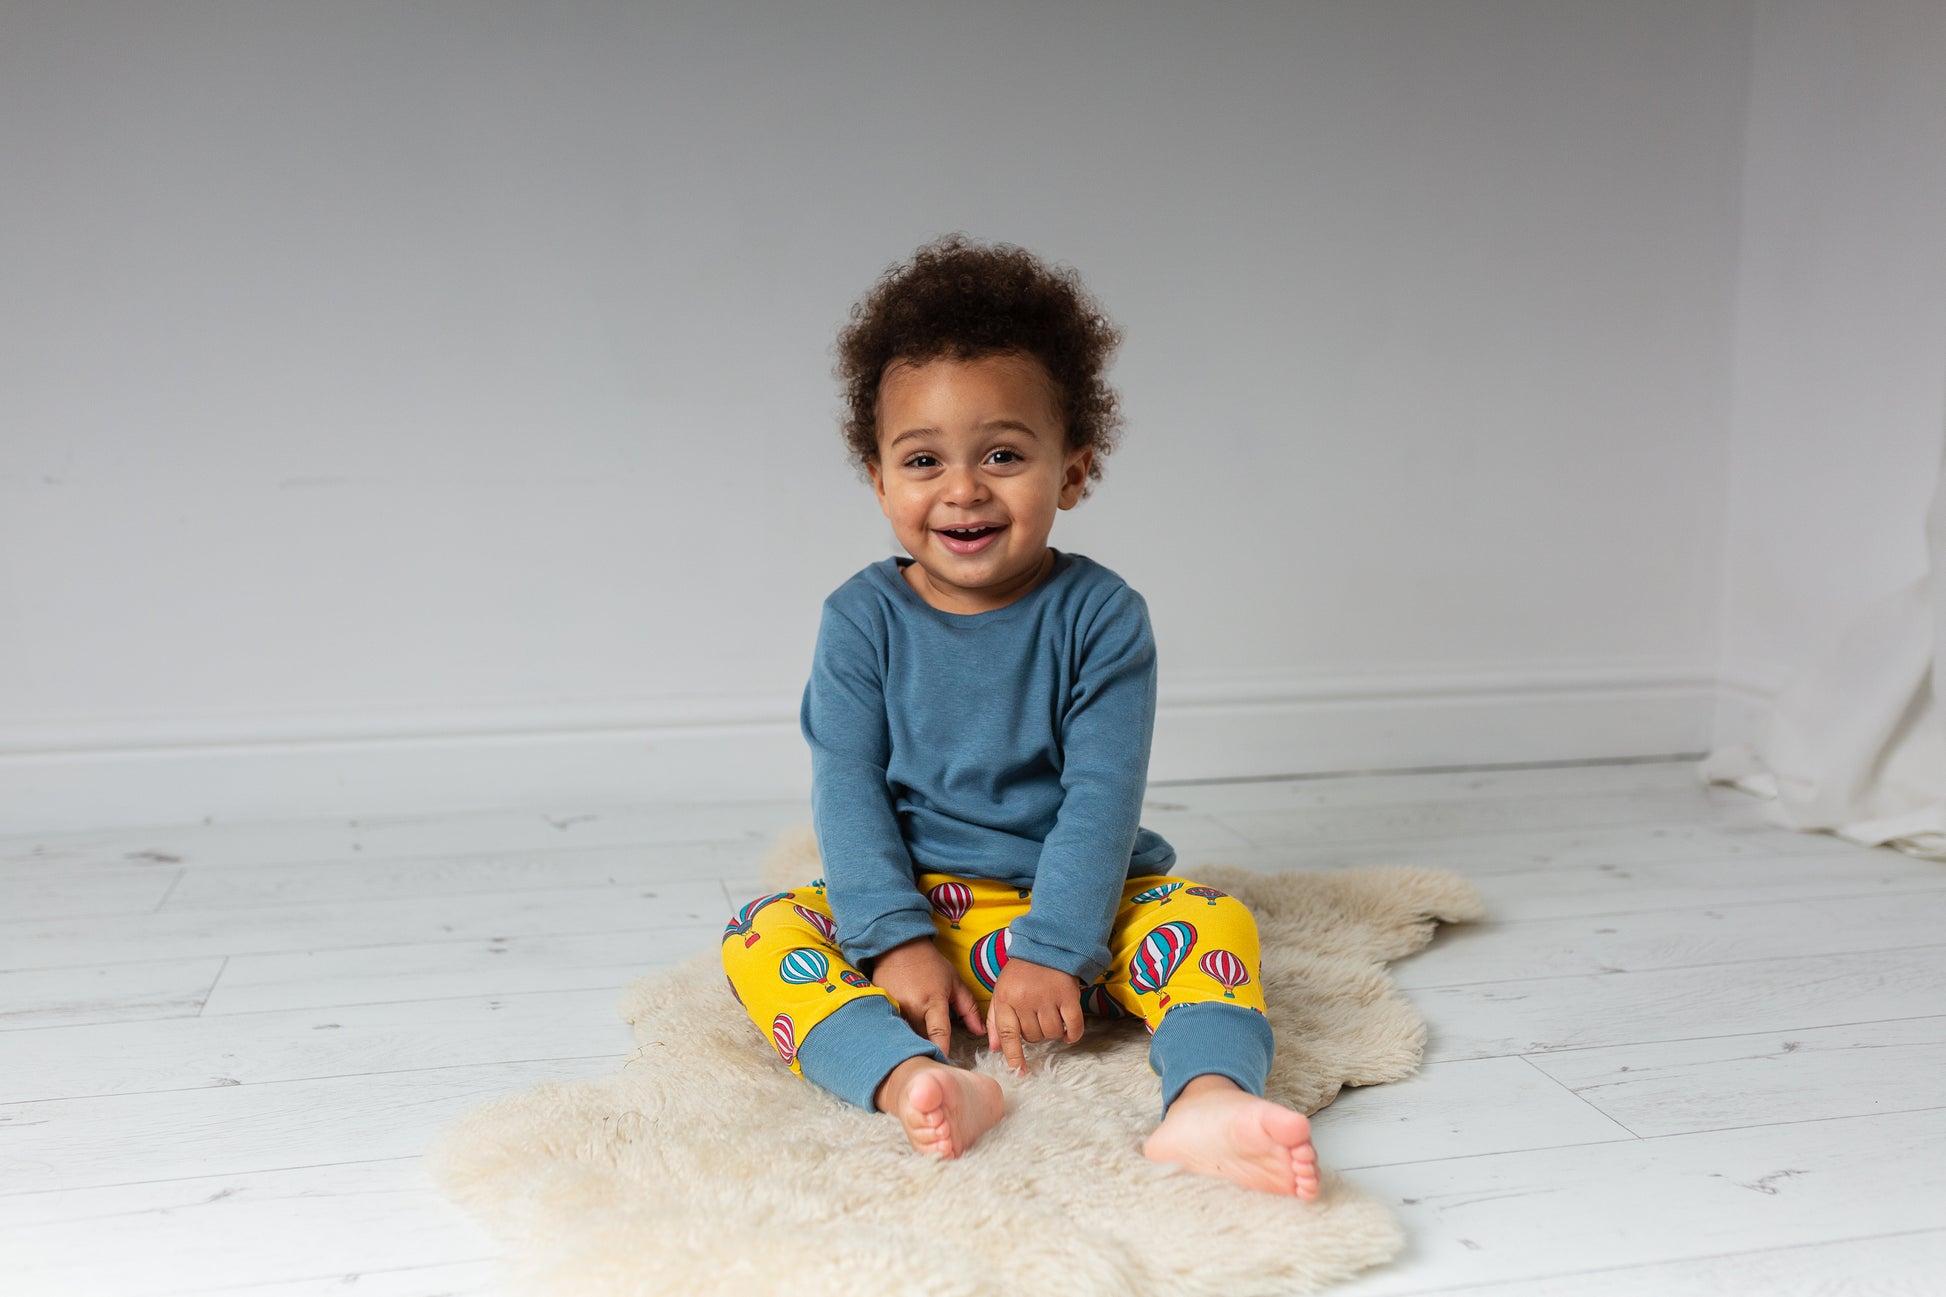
[{"x": 968, "y": 540}]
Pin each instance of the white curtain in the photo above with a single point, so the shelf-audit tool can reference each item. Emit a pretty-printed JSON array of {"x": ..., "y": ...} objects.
[{"x": 1856, "y": 744}]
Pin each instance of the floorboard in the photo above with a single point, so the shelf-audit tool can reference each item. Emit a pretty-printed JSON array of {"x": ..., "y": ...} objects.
[
  {"x": 359, "y": 1227},
  {"x": 1527, "y": 1215},
  {"x": 278, "y": 1125}
]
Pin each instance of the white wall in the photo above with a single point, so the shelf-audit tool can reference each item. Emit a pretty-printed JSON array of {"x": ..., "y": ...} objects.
[
  {"x": 414, "y": 405},
  {"x": 1840, "y": 377}
]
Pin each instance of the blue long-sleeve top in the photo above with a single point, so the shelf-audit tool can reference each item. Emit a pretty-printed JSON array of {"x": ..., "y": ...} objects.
[{"x": 1011, "y": 744}]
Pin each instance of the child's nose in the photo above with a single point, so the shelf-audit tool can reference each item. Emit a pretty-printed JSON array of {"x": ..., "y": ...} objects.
[{"x": 964, "y": 486}]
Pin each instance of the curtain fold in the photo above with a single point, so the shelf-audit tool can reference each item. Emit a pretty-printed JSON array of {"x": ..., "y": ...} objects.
[{"x": 1856, "y": 744}]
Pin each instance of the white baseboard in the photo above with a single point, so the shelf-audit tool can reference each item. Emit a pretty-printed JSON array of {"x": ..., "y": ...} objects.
[{"x": 1218, "y": 731}]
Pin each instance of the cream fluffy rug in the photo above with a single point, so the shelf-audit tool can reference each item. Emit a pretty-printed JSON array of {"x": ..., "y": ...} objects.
[{"x": 706, "y": 1167}]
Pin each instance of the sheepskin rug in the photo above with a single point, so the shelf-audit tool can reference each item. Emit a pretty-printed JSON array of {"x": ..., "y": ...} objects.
[{"x": 705, "y": 1167}]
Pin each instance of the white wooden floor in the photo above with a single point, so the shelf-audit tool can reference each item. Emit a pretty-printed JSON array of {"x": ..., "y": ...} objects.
[{"x": 1693, "y": 1053}]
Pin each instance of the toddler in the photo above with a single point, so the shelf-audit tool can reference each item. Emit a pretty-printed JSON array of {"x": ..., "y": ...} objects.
[{"x": 979, "y": 717}]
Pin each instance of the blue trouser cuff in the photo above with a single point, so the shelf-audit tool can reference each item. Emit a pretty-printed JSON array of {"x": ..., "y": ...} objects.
[
  {"x": 850, "y": 1052},
  {"x": 1204, "y": 1039}
]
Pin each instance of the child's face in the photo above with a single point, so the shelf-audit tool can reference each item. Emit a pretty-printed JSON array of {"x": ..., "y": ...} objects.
[{"x": 974, "y": 444}]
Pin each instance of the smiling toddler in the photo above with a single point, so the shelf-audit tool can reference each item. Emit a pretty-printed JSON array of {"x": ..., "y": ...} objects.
[{"x": 979, "y": 717}]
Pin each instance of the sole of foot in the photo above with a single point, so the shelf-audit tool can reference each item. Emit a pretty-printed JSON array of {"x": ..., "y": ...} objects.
[
  {"x": 1235, "y": 1135},
  {"x": 945, "y": 1110}
]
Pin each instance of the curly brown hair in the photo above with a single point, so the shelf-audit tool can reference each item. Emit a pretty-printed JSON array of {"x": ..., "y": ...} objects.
[{"x": 966, "y": 300}]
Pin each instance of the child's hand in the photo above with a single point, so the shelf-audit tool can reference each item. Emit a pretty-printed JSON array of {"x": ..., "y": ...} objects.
[
  {"x": 928, "y": 991},
  {"x": 1032, "y": 1002}
]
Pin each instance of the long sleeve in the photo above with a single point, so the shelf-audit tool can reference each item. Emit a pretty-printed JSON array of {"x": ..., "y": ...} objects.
[
  {"x": 867, "y": 869},
  {"x": 1106, "y": 733}
]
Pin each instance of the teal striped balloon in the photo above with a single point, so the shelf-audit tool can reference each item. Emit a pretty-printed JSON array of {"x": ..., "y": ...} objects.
[{"x": 806, "y": 967}]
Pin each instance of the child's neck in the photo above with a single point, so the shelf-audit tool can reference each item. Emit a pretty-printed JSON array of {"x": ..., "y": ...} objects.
[{"x": 967, "y": 604}]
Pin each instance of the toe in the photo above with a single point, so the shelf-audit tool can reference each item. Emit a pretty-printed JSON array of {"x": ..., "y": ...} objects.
[
  {"x": 1287, "y": 1127},
  {"x": 1307, "y": 1182}
]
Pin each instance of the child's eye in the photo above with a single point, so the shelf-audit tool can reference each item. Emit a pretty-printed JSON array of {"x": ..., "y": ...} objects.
[
  {"x": 920, "y": 461},
  {"x": 1010, "y": 456}
]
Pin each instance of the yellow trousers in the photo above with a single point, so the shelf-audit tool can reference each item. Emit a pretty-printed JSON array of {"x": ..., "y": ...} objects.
[{"x": 1174, "y": 943}]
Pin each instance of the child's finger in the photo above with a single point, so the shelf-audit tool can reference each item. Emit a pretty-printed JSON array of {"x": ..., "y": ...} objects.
[
  {"x": 1048, "y": 1024},
  {"x": 939, "y": 1025},
  {"x": 969, "y": 1010},
  {"x": 1074, "y": 1020},
  {"x": 1009, "y": 1030}
]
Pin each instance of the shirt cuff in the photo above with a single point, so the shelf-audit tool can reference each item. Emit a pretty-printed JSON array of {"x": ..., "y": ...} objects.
[
  {"x": 1036, "y": 952},
  {"x": 885, "y": 932}
]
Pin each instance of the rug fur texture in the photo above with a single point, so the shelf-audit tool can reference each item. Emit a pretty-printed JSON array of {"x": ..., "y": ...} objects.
[{"x": 705, "y": 1167}]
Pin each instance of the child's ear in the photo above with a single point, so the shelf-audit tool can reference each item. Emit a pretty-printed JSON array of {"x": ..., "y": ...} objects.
[
  {"x": 1074, "y": 476},
  {"x": 877, "y": 471}
]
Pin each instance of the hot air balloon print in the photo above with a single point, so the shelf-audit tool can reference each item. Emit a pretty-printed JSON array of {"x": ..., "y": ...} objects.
[
  {"x": 1159, "y": 955},
  {"x": 805, "y": 967},
  {"x": 1226, "y": 969},
  {"x": 739, "y": 924},
  {"x": 826, "y": 928},
  {"x": 783, "y": 1034},
  {"x": 1098, "y": 1001},
  {"x": 1159, "y": 892},
  {"x": 1209, "y": 894},
  {"x": 952, "y": 901},
  {"x": 989, "y": 956},
  {"x": 817, "y": 885},
  {"x": 850, "y": 978}
]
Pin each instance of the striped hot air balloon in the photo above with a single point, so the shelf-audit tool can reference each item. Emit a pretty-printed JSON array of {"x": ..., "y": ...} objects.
[
  {"x": 739, "y": 924},
  {"x": 850, "y": 978},
  {"x": 1160, "y": 892},
  {"x": 989, "y": 956},
  {"x": 826, "y": 928},
  {"x": 1098, "y": 1001},
  {"x": 952, "y": 901},
  {"x": 783, "y": 1034},
  {"x": 804, "y": 966},
  {"x": 1159, "y": 955},
  {"x": 1227, "y": 971},
  {"x": 1209, "y": 894}
]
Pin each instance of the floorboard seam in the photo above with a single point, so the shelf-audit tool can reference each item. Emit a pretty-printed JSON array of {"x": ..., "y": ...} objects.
[
  {"x": 697, "y": 925},
  {"x": 1671, "y": 968},
  {"x": 170, "y": 890},
  {"x": 213, "y": 1175},
  {"x": 1677, "y": 1040},
  {"x": 1580, "y": 1098},
  {"x": 1638, "y": 1139},
  {"x": 1923, "y": 889},
  {"x": 307, "y": 1080},
  {"x": 438, "y": 999},
  {"x": 1490, "y": 1284},
  {"x": 213, "y": 983}
]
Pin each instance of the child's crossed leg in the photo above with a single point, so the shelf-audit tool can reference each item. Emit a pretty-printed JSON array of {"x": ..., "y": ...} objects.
[{"x": 1176, "y": 945}]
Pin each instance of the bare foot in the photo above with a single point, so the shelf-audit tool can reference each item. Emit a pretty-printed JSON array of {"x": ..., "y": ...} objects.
[
  {"x": 1215, "y": 1128},
  {"x": 943, "y": 1109}
]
